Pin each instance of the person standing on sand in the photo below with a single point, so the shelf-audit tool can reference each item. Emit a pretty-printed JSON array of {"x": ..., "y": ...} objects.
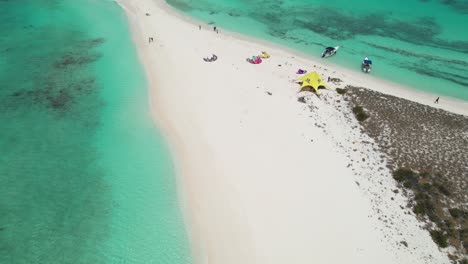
[
  {"x": 214, "y": 28},
  {"x": 437, "y": 100},
  {"x": 199, "y": 27}
]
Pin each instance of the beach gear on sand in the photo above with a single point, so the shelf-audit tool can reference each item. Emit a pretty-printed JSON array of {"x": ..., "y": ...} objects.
[
  {"x": 213, "y": 58},
  {"x": 265, "y": 55},
  {"x": 255, "y": 60},
  {"x": 301, "y": 71},
  {"x": 313, "y": 80}
]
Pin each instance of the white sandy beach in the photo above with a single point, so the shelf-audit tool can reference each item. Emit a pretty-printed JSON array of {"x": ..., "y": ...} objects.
[{"x": 262, "y": 177}]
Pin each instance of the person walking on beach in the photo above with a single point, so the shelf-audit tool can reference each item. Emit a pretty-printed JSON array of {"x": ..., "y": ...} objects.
[
  {"x": 214, "y": 28},
  {"x": 199, "y": 27},
  {"x": 437, "y": 100}
]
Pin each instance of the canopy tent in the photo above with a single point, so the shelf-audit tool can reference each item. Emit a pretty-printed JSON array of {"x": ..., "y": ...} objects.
[{"x": 313, "y": 80}]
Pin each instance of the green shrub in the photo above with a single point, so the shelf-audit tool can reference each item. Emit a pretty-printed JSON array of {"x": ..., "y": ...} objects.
[
  {"x": 426, "y": 187},
  {"x": 359, "y": 113},
  {"x": 434, "y": 218},
  {"x": 456, "y": 213},
  {"x": 402, "y": 173},
  {"x": 407, "y": 177},
  {"x": 419, "y": 209},
  {"x": 425, "y": 207},
  {"x": 424, "y": 173},
  {"x": 341, "y": 90},
  {"x": 421, "y": 196},
  {"x": 442, "y": 189},
  {"x": 439, "y": 238}
]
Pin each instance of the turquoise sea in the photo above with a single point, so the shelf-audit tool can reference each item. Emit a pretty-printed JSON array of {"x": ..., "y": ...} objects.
[
  {"x": 85, "y": 177},
  {"x": 419, "y": 43}
]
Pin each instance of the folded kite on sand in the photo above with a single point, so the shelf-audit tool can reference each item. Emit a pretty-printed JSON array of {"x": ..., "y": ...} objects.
[
  {"x": 265, "y": 55},
  {"x": 213, "y": 58},
  {"x": 255, "y": 60}
]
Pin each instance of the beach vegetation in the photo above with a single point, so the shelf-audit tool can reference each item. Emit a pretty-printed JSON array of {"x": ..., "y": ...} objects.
[
  {"x": 360, "y": 114},
  {"x": 404, "y": 175},
  {"x": 457, "y": 213},
  {"x": 419, "y": 209},
  {"x": 425, "y": 207},
  {"x": 341, "y": 90},
  {"x": 441, "y": 188},
  {"x": 439, "y": 238},
  {"x": 427, "y": 189}
]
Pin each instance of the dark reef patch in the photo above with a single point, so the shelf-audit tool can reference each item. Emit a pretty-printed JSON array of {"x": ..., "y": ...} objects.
[
  {"x": 460, "y": 6},
  {"x": 455, "y": 78},
  {"x": 418, "y": 55},
  {"x": 55, "y": 199}
]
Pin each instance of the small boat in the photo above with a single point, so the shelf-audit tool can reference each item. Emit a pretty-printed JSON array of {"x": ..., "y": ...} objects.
[
  {"x": 366, "y": 65},
  {"x": 329, "y": 51}
]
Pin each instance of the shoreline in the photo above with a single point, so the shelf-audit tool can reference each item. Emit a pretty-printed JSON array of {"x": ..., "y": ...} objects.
[
  {"x": 227, "y": 187},
  {"x": 398, "y": 89},
  {"x": 165, "y": 128},
  {"x": 446, "y": 103}
]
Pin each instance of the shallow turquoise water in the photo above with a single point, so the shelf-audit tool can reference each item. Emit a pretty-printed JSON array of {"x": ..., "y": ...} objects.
[
  {"x": 84, "y": 175},
  {"x": 422, "y": 44}
]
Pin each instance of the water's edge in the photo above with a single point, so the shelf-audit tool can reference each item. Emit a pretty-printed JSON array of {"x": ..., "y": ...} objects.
[
  {"x": 85, "y": 175},
  {"x": 411, "y": 43}
]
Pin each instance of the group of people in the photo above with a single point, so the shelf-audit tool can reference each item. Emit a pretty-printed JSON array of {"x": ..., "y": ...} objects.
[{"x": 215, "y": 29}]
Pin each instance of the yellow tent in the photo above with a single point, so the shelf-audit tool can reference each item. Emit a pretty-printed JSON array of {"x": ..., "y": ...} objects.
[{"x": 313, "y": 80}]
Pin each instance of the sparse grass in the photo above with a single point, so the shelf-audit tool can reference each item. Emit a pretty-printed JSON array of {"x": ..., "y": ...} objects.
[
  {"x": 442, "y": 189},
  {"x": 420, "y": 138},
  {"x": 341, "y": 90},
  {"x": 439, "y": 238},
  {"x": 427, "y": 189},
  {"x": 360, "y": 114}
]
